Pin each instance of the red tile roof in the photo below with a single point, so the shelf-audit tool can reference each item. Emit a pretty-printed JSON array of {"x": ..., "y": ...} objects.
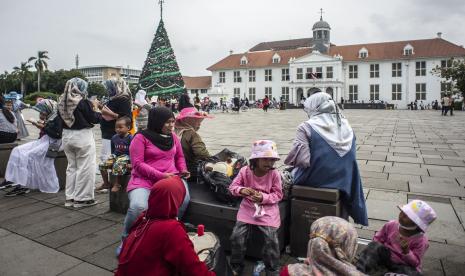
[
  {"x": 425, "y": 48},
  {"x": 258, "y": 59},
  {"x": 282, "y": 44},
  {"x": 202, "y": 82}
]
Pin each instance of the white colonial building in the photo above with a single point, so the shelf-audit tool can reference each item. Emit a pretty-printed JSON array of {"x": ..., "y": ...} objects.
[{"x": 395, "y": 72}]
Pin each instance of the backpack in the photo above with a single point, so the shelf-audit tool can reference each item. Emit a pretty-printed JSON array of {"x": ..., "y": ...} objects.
[
  {"x": 219, "y": 182},
  {"x": 54, "y": 128}
]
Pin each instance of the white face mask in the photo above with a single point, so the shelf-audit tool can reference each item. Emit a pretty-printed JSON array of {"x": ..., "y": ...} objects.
[{"x": 408, "y": 228}]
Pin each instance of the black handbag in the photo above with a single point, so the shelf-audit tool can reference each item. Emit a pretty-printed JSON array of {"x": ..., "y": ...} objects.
[{"x": 53, "y": 150}]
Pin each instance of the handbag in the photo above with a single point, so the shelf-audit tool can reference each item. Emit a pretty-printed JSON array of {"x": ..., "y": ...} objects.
[{"x": 53, "y": 150}]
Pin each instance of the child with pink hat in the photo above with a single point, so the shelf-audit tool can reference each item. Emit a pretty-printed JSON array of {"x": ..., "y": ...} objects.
[
  {"x": 259, "y": 184},
  {"x": 400, "y": 244}
]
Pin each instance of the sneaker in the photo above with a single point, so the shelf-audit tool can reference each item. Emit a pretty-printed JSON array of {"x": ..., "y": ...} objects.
[
  {"x": 69, "y": 203},
  {"x": 17, "y": 191},
  {"x": 86, "y": 203},
  {"x": 7, "y": 184}
]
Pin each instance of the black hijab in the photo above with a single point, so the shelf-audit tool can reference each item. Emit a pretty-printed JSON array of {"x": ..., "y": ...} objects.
[{"x": 157, "y": 118}]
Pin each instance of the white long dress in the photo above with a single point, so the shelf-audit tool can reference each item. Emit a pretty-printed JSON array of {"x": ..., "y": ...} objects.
[{"x": 29, "y": 167}]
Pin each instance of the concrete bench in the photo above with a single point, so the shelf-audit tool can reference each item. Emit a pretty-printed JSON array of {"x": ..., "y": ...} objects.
[
  {"x": 307, "y": 205},
  {"x": 220, "y": 219},
  {"x": 5, "y": 151},
  {"x": 119, "y": 202}
]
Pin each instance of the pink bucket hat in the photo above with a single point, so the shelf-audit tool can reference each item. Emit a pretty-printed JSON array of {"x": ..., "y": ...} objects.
[
  {"x": 264, "y": 149},
  {"x": 420, "y": 213},
  {"x": 192, "y": 112}
]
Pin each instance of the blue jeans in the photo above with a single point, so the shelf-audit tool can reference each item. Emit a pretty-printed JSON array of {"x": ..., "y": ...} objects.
[{"x": 138, "y": 202}]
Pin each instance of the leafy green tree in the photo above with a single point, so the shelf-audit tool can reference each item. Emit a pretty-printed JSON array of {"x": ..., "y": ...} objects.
[
  {"x": 22, "y": 72},
  {"x": 96, "y": 89},
  {"x": 40, "y": 64},
  {"x": 454, "y": 74},
  {"x": 9, "y": 82},
  {"x": 55, "y": 81}
]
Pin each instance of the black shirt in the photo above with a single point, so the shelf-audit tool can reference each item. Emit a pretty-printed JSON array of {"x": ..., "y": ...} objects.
[
  {"x": 84, "y": 116},
  {"x": 122, "y": 107}
]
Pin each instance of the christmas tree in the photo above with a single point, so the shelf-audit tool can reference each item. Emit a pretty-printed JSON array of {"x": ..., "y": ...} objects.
[{"x": 160, "y": 74}]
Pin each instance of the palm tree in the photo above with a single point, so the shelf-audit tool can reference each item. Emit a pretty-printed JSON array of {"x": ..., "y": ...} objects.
[
  {"x": 40, "y": 64},
  {"x": 22, "y": 72}
]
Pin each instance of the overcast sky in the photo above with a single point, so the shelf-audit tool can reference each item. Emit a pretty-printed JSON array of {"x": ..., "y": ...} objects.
[{"x": 119, "y": 32}]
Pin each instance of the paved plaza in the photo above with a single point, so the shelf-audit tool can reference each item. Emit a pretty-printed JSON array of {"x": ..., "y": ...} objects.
[{"x": 402, "y": 155}]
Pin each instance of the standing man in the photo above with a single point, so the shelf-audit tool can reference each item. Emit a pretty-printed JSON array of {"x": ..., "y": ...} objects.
[{"x": 445, "y": 105}]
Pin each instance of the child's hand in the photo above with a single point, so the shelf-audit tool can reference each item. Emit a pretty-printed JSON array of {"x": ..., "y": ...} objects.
[
  {"x": 246, "y": 191},
  {"x": 256, "y": 197},
  {"x": 185, "y": 174},
  {"x": 404, "y": 245}
]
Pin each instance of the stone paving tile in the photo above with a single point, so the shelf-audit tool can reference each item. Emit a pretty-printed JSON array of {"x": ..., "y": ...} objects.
[
  {"x": 18, "y": 223},
  {"x": 397, "y": 197},
  {"x": 371, "y": 168},
  {"x": 104, "y": 258},
  {"x": 445, "y": 162},
  {"x": 379, "y": 163},
  {"x": 371, "y": 174},
  {"x": 23, "y": 210},
  {"x": 11, "y": 203},
  {"x": 94, "y": 242},
  {"x": 406, "y": 170},
  {"x": 432, "y": 267},
  {"x": 74, "y": 232},
  {"x": 404, "y": 177},
  {"x": 431, "y": 188},
  {"x": 443, "y": 251},
  {"x": 406, "y": 165},
  {"x": 381, "y": 209},
  {"x": 403, "y": 159},
  {"x": 4, "y": 233},
  {"x": 453, "y": 268},
  {"x": 21, "y": 256},
  {"x": 86, "y": 269},
  {"x": 397, "y": 185}
]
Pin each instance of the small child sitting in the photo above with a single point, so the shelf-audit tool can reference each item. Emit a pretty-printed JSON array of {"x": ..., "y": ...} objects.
[
  {"x": 118, "y": 162},
  {"x": 260, "y": 186},
  {"x": 400, "y": 244}
]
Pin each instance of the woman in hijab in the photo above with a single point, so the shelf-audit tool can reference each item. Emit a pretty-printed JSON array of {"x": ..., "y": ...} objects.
[
  {"x": 187, "y": 124},
  {"x": 331, "y": 248},
  {"x": 142, "y": 111},
  {"x": 28, "y": 166},
  {"x": 79, "y": 117},
  {"x": 18, "y": 106},
  {"x": 158, "y": 243},
  {"x": 8, "y": 124},
  {"x": 118, "y": 105},
  {"x": 156, "y": 154},
  {"x": 323, "y": 155}
]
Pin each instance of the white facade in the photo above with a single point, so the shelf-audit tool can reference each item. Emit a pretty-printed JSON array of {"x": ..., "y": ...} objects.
[{"x": 100, "y": 73}]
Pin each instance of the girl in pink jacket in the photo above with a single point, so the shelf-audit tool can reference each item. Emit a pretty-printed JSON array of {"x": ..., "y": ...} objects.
[{"x": 260, "y": 186}]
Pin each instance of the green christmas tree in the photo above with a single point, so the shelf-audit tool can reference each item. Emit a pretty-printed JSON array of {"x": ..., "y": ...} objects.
[{"x": 160, "y": 74}]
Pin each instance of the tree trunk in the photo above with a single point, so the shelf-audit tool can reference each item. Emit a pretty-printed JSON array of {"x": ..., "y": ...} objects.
[
  {"x": 23, "y": 88},
  {"x": 38, "y": 80}
]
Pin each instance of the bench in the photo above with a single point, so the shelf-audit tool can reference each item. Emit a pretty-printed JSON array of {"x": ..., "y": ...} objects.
[
  {"x": 307, "y": 205},
  {"x": 220, "y": 219},
  {"x": 5, "y": 151}
]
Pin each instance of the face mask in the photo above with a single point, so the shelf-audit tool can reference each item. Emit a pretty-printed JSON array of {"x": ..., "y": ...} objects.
[{"x": 408, "y": 228}]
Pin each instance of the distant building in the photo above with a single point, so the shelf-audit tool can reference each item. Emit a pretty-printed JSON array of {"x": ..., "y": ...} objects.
[
  {"x": 201, "y": 85},
  {"x": 100, "y": 73},
  {"x": 398, "y": 72}
]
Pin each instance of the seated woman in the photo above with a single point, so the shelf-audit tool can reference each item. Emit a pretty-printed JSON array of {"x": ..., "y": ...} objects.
[
  {"x": 156, "y": 154},
  {"x": 187, "y": 124},
  {"x": 8, "y": 124},
  {"x": 323, "y": 155},
  {"x": 28, "y": 166},
  {"x": 142, "y": 110},
  {"x": 158, "y": 243},
  {"x": 331, "y": 248}
]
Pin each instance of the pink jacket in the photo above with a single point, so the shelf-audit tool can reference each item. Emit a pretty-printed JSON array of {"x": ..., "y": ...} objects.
[
  {"x": 270, "y": 187},
  {"x": 149, "y": 163},
  {"x": 389, "y": 237}
]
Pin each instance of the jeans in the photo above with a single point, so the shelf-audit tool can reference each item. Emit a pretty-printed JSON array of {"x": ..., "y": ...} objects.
[{"x": 138, "y": 202}]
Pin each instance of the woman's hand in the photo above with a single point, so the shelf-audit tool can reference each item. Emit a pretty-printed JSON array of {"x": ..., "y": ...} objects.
[
  {"x": 185, "y": 174},
  {"x": 257, "y": 197},
  {"x": 168, "y": 175},
  {"x": 247, "y": 191}
]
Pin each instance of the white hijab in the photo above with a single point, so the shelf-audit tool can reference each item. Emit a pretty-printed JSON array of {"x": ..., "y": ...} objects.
[
  {"x": 140, "y": 98},
  {"x": 326, "y": 119}
]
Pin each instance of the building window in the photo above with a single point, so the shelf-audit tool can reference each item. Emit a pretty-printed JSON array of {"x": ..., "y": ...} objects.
[
  {"x": 319, "y": 72},
  {"x": 446, "y": 63},
  {"x": 237, "y": 76},
  {"x": 285, "y": 74},
  {"x": 269, "y": 92},
  {"x": 374, "y": 70},
  {"x": 237, "y": 92},
  {"x": 251, "y": 75},
  {"x": 309, "y": 74},
  {"x": 421, "y": 91},
  {"x": 446, "y": 87},
  {"x": 397, "y": 70},
  {"x": 374, "y": 92},
  {"x": 420, "y": 68},
  {"x": 194, "y": 91},
  {"x": 222, "y": 77},
  {"x": 396, "y": 91},
  {"x": 243, "y": 60},
  {"x": 329, "y": 72},
  {"x": 353, "y": 93},
  {"x": 353, "y": 71},
  {"x": 285, "y": 93},
  {"x": 408, "y": 50},
  {"x": 276, "y": 58},
  {"x": 252, "y": 95},
  {"x": 203, "y": 91},
  {"x": 300, "y": 73},
  {"x": 268, "y": 76}
]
